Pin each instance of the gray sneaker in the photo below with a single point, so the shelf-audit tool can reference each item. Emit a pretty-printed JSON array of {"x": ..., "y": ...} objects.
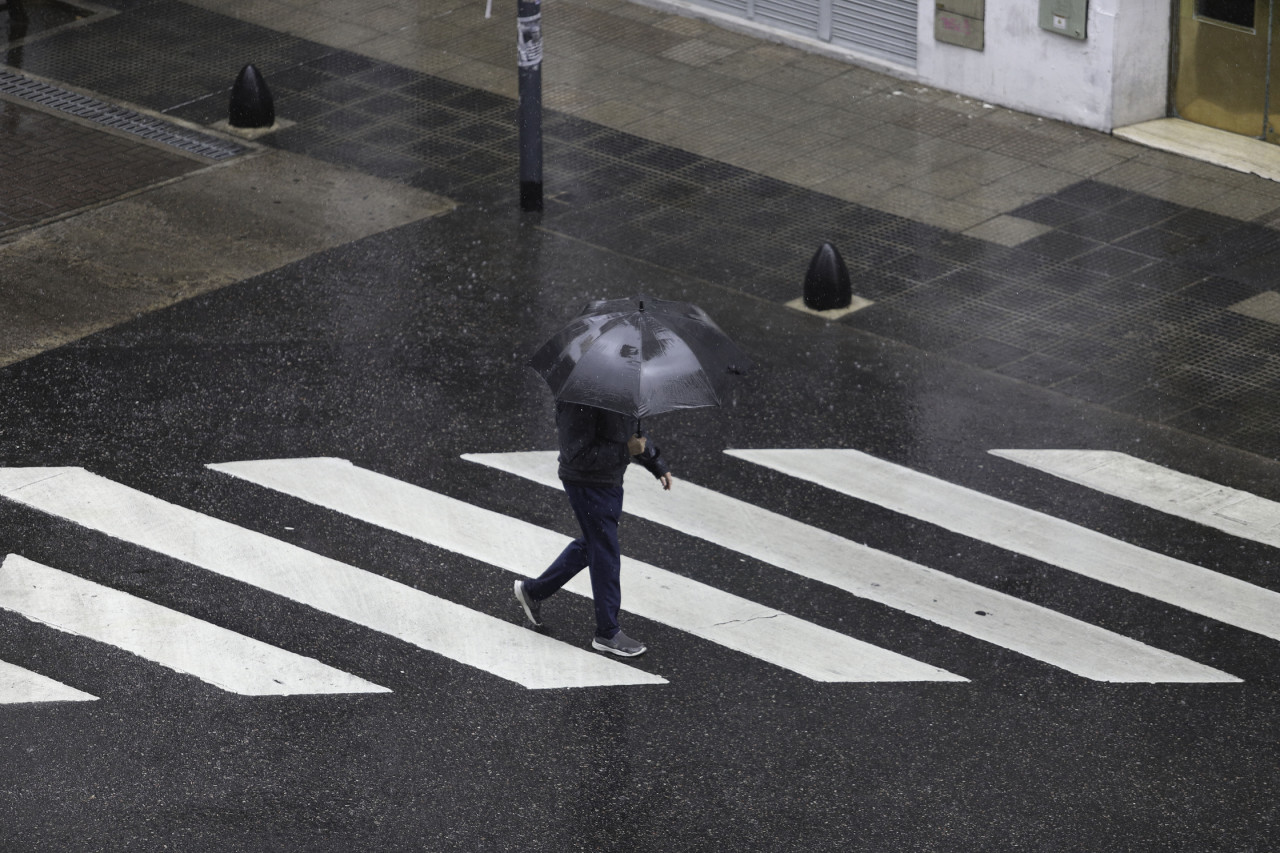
[
  {"x": 620, "y": 644},
  {"x": 532, "y": 609}
]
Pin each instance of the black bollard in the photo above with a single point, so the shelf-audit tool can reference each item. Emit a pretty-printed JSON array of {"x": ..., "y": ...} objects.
[
  {"x": 529, "y": 111},
  {"x": 826, "y": 284},
  {"x": 251, "y": 104}
]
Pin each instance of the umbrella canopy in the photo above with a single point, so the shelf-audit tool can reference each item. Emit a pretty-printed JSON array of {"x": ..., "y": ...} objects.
[{"x": 640, "y": 357}]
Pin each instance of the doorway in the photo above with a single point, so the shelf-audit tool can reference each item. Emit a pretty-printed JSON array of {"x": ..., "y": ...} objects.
[{"x": 1227, "y": 57}]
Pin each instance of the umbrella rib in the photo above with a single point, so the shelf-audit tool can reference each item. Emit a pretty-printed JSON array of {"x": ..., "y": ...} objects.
[{"x": 668, "y": 356}]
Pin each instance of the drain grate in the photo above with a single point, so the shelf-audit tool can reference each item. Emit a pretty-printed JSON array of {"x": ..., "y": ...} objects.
[{"x": 119, "y": 118}]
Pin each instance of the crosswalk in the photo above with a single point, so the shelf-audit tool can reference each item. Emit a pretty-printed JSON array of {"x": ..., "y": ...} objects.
[
  {"x": 969, "y": 608},
  {"x": 524, "y": 549},
  {"x": 18, "y": 686},
  {"x": 1033, "y": 534},
  {"x": 225, "y": 659},
  {"x": 1111, "y": 472},
  {"x": 761, "y": 634},
  {"x": 373, "y": 601}
]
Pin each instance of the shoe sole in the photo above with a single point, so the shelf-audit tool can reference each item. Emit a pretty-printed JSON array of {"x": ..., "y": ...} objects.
[
  {"x": 600, "y": 647},
  {"x": 524, "y": 604}
]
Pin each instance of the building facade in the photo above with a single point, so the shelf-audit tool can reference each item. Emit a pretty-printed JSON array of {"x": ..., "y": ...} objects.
[{"x": 1102, "y": 64}]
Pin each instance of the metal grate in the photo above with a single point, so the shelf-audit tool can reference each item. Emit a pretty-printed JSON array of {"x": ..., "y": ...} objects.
[
  {"x": 883, "y": 28},
  {"x": 797, "y": 16},
  {"x": 119, "y": 118}
]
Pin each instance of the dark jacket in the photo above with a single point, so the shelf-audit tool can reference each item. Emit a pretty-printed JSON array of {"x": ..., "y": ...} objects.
[{"x": 593, "y": 446}]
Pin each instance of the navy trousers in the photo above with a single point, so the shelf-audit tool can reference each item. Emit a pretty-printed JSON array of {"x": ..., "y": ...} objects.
[{"x": 598, "y": 509}]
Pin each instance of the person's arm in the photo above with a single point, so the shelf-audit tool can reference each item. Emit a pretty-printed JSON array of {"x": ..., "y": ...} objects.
[{"x": 646, "y": 452}]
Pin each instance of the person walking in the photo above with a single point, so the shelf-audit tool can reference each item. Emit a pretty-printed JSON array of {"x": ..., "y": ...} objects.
[{"x": 596, "y": 445}]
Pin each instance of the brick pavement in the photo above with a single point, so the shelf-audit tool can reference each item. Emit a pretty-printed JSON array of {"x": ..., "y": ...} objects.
[{"x": 53, "y": 166}]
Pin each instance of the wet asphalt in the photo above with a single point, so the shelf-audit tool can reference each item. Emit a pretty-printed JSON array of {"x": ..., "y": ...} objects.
[
  {"x": 400, "y": 343},
  {"x": 402, "y": 350}
]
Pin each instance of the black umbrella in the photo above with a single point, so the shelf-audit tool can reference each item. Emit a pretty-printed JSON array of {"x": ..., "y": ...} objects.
[{"x": 640, "y": 357}]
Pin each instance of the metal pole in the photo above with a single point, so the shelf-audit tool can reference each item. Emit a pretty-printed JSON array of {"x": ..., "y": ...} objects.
[{"x": 529, "y": 64}]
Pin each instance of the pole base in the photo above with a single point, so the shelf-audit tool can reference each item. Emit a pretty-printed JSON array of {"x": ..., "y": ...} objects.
[{"x": 531, "y": 195}]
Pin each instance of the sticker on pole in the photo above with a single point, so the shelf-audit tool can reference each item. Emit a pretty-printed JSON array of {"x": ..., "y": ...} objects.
[{"x": 529, "y": 42}]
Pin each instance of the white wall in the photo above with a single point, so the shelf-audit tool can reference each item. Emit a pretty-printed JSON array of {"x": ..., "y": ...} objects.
[
  {"x": 1144, "y": 30},
  {"x": 1118, "y": 75}
]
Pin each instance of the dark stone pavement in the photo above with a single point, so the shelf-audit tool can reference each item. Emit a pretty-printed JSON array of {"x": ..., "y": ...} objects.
[{"x": 1128, "y": 301}]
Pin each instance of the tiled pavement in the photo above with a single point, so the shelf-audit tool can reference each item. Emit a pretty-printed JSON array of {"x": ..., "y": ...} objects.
[
  {"x": 52, "y": 166},
  {"x": 1061, "y": 257}
]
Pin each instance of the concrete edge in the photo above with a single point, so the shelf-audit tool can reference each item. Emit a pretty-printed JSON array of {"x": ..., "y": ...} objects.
[{"x": 1207, "y": 144}]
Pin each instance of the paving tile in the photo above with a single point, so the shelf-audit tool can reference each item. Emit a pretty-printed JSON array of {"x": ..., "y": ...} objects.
[
  {"x": 1051, "y": 211},
  {"x": 1041, "y": 369},
  {"x": 1102, "y": 227},
  {"x": 1075, "y": 316},
  {"x": 945, "y": 183},
  {"x": 1088, "y": 159},
  {"x": 1057, "y": 246},
  {"x": 1007, "y": 230},
  {"x": 1094, "y": 387},
  {"x": 954, "y": 215},
  {"x": 1260, "y": 440},
  {"x": 1134, "y": 175},
  {"x": 1264, "y": 306},
  {"x": 1190, "y": 191},
  {"x": 986, "y": 353},
  {"x": 1112, "y": 260},
  {"x": 975, "y": 316},
  {"x": 1243, "y": 204},
  {"x": 53, "y": 166},
  {"x": 1223, "y": 292},
  {"x": 1024, "y": 296},
  {"x": 918, "y": 331},
  {"x": 1200, "y": 225},
  {"x": 1152, "y": 403},
  {"x": 986, "y": 166},
  {"x": 1084, "y": 350},
  {"x": 998, "y": 197}
]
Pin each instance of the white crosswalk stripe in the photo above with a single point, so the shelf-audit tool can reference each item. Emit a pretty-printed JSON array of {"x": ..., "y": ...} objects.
[
  {"x": 1230, "y": 510},
  {"x": 22, "y": 686},
  {"x": 225, "y": 659},
  {"x": 1034, "y": 534},
  {"x": 986, "y": 614},
  {"x": 243, "y": 665},
  {"x": 368, "y": 599},
  {"x": 525, "y": 549}
]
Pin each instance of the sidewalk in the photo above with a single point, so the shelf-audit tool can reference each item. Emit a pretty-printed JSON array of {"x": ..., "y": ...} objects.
[{"x": 1113, "y": 273}]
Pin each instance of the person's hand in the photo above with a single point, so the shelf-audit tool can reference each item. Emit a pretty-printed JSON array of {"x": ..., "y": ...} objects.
[
  {"x": 666, "y": 481},
  {"x": 636, "y": 444}
]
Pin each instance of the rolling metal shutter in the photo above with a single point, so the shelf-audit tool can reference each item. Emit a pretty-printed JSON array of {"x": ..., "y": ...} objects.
[
  {"x": 794, "y": 16},
  {"x": 737, "y": 8},
  {"x": 885, "y": 29}
]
